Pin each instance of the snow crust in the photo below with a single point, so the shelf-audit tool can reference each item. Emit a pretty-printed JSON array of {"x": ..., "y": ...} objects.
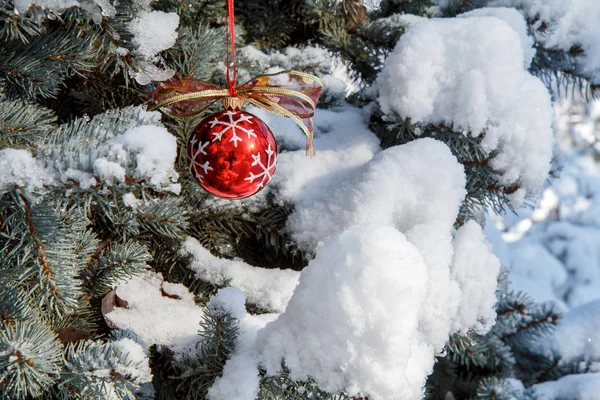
[
  {"x": 570, "y": 23},
  {"x": 19, "y": 168},
  {"x": 473, "y": 77},
  {"x": 270, "y": 289},
  {"x": 153, "y": 316}
]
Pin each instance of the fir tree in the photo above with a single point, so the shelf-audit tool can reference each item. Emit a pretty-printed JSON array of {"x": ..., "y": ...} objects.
[{"x": 88, "y": 203}]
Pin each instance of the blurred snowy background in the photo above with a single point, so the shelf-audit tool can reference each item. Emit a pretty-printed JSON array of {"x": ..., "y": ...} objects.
[{"x": 552, "y": 249}]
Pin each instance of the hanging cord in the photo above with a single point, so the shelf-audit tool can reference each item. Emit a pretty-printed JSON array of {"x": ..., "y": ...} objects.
[{"x": 231, "y": 80}]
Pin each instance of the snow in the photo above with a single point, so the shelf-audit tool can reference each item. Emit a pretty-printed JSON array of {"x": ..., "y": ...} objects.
[
  {"x": 137, "y": 367},
  {"x": 570, "y": 23},
  {"x": 240, "y": 378},
  {"x": 85, "y": 179},
  {"x": 428, "y": 187},
  {"x": 155, "y": 152},
  {"x": 572, "y": 387},
  {"x": 577, "y": 336},
  {"x": 55, "y": 5},
  {"x": 365, "y": 301},
  {"x": 535, "y": 271},
  {"x": 516, "y": 21},
  {"x": 313, "y": 58},
  {"x": 154, "y": 32},
  {"x": 109, "y": 171},
  {"x": 344, "y": 144},
  {"x": 145, "y": 152},
  {"x": 230, "y": 300},
  {"x": 19, "y": 168},
  {"x": 471, "y": 252},
  {"x": 155, "y": 317},
  {"x": 131, "y": 201},
  {"x": 472, "y": 76},
  {"x": 555, "y": 249},
  {"x": 148, "y": 152},
  {"x": 269, "y": 289},
  {"x": 359, "y": 302}
]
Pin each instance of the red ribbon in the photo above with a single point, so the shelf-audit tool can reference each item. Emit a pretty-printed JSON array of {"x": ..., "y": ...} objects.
[{"x": 231, "y": 49}]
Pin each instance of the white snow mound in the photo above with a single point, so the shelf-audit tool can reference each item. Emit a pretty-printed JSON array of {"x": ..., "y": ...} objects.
[{"x": 472, "y": 76}]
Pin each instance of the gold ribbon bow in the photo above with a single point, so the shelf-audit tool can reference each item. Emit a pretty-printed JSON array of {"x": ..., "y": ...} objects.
[{"x": 289, "y": 94}]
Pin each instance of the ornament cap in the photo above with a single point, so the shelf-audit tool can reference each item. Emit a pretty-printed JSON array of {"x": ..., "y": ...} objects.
[{"x": 233, "y": 103}]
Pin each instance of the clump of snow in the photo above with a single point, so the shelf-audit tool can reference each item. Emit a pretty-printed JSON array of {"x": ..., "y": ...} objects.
[
  {"x": 344, "y": 144},
  {"x": 516, "y": 21},
  {"x": 359, "y": 302},
  {"x": 471, "y": 252},
  {"x": 136, "y": 364},
  {"x": 150, "y": 149},
  {"x": 240, "y": 380},
  {"x": 157, "y": 312},
  {"x": 84, "y": 179},
  {"x": 131, "y": 201},
  {"x": 473, "y": 77},
  {"x": 570, "y": 23},
  {"x": 269, "y": 289},
  {"x": 365, "y": 302},
  {"x": 19, "y": 168},
  {"x": 312, "y": 58},
  {"x": 420, "y": 183},
  {"x": 155, "y": 151},
  {"x": 109, "y": 171},
  {"x": 230, "y": 300},
  {"x": 419, "y": 188},
  {"x": 154, "y": 32}
]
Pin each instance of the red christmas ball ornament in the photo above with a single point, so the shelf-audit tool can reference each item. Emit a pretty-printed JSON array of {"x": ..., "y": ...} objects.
[{"x": 232, "y": 154}]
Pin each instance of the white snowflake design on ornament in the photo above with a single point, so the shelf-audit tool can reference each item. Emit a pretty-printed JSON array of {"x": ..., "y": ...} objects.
[
  {"x": 233, "y": 126},
  {"x": 265, "y": 174},
  {"x": 194, "y": 164}
]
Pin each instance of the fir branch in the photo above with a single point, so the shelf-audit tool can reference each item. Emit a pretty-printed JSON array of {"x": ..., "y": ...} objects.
[
  {"x": 16, "y": 26},
  {"x": 23, "y": 124},
  {"x": 98, "y": 370},
  {"x": 44, "y": 251},
  {"x": 38, "y": 68},
  {"x": 115, "y": 264},
  {"x": 484, "y": 190},
  {"x": 198, "y": 51},
  {"x": 29, "y": 359},
  {"x": 494, "y": 388},
  {"x": 196, "y": 373}
]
